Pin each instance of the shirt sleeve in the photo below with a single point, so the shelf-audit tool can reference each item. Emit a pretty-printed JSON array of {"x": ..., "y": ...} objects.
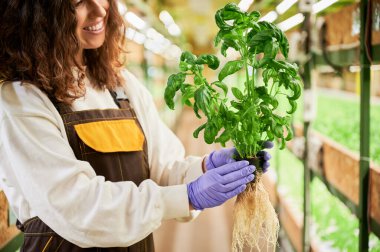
[{"x": 65, "y": 192}]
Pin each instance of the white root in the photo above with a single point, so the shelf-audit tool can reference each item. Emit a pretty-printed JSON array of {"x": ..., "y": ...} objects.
[{"x": 255, "y": 220}]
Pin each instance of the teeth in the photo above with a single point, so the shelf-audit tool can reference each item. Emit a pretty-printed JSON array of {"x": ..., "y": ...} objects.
[{"x": 96, "y": 27}]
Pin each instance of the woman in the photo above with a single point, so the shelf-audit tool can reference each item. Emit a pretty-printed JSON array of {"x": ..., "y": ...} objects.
[{"x": 85, "y": 161}]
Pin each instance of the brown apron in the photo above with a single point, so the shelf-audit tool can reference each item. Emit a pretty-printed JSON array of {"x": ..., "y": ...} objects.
[{"x": 128, "y": 163}]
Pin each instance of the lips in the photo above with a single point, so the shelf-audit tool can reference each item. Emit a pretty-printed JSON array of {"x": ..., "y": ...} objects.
[{"x": 95, "y": 27}]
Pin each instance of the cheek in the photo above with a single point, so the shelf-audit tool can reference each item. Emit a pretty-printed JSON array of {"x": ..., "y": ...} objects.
[
  {"x": 106, "y": 4},
  {"x": 80, "y": 16}
]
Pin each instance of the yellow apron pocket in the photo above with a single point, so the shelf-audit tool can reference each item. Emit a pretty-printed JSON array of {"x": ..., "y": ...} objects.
[{"x": 111, "y": 136}]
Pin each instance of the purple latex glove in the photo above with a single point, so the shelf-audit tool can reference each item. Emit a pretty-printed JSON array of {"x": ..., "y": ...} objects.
[
  {"x": 218, "y": 185},
  {"x": 225, "y": 156},
  {"x": 265, "y": 156},
  {"x": 220, "y": 157}
]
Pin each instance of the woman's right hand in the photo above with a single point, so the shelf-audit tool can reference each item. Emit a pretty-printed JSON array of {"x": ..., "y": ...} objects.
[
  {"x": 218, "y": 185},
  {"x": 226, "y": 155}
]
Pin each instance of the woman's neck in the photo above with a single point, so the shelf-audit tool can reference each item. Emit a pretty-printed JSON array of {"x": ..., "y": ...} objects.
[{"x": 79, "y": 58}]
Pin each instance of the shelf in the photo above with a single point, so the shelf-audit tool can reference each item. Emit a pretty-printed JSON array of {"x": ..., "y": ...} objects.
[
  {"x": 346, "y": 57},
  {"x": 339, "y": 171}
]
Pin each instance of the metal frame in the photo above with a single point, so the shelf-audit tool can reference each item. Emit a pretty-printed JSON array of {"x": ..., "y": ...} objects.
[{"x": 365, "y": 96}]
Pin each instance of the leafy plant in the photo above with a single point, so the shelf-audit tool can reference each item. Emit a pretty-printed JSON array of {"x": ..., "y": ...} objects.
[{"x": 251, "y": 117}]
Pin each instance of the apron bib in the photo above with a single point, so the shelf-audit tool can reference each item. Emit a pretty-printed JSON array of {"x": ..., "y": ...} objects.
[{"x": 113, "y": 142}]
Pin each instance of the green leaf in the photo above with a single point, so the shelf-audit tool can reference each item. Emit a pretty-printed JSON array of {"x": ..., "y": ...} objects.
[
  {"x": 254, "y": 16},
  {"x": 221, "y": 34},
  {"x": 232, "y": 12},
  {"x": 198, "y": 80},
  {"x": 186, "y": 96},
  {"x": 188, "y": 57},
  {"x": 224, "y": 137},
  {"x": 233, "y": 43},
  {"x": 274, "y": 103},
  {"x": 293, "y": 106},
  {"x": 237, "y": 93},
  {"x": 184, "y": 66},
  {"x": 278, "y": 131},
  {"x": 262, "y": 90},
  {"x": 198, "y": 130},
  {"x": 296, "y": 92},
  {"x": 173, "y": 85},
  {"x": 202, "y": 99},
  {"x": 185, "y": 87},
  {"x": 230, "y": 68},
  {"x": 219, "y": 20},
  {"x": 211, "y": 60},
  {"x": 210, "y": 133},
  {"x": 271, "y": 49},
  {"x": 236, "y": 105},
  {"x": 223, "y": 50},
  {"x": 222, "y": 86},
  {"x": 289, "y": 135},
  {"x": 196, "y": 111}
]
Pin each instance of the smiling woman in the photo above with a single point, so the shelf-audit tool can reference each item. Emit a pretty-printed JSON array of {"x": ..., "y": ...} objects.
[{"x": 46, "y": 39}]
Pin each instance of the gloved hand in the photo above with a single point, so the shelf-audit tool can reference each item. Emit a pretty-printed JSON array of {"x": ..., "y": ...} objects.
[
  {"x": 225, "y": 156},
  {"x": 218, "y": 185},
  {"x": 220, "y": 157}
]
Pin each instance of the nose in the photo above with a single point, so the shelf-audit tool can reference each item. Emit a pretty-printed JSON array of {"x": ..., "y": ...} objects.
[{"x": 99, "y": 8}]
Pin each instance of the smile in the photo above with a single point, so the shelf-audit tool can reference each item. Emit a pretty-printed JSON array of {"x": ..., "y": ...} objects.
[{"x": 95, "y": 28}]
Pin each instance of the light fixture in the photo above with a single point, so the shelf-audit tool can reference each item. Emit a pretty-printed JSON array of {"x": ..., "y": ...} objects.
[
  {"x": 284, "y": 6},
  {"x": 135, "y": 20},
  {"x": 166, "y": 18},
  {"x": 321, "y": 5},
  {"x": 270, "y": 16},
  {"x": 291, "y": 22},
  {"x": 130, "y": 33},
  {"x": 122, "y": 8},
  {"x": 174, "y": 30},
  {"x": 245, "y": 4}
]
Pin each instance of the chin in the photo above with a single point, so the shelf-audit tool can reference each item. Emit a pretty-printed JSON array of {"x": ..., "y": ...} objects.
[{"x": 93, "y": 45}]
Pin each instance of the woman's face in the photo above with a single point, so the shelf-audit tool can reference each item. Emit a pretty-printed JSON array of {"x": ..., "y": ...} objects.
[{"x": 92, "y": 22}]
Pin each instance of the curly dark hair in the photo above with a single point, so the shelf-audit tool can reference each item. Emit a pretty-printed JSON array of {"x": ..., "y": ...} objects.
[{"x": 38, "y": 44}]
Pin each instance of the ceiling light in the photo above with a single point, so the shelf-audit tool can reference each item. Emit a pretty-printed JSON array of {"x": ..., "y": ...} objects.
[
  {"x": 291, "y": 22},
  {"x": 270, "y": 17},
  {"x": 122, "y": 8},
  {"x": 139, "y": 38},
  {"x": 321, "y": 5},
  {"x": 245, "y": 4},
  {"x": 135, "y": 20},
  {"x": 166, "y": 18},
  {"x": 284, "y": 6},
  {"x": 130, "y": 33},
  {"x": 174, "y": 30}
]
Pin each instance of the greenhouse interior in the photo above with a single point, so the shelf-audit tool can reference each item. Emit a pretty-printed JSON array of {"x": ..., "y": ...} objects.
[{"x": 301, "y": 74}]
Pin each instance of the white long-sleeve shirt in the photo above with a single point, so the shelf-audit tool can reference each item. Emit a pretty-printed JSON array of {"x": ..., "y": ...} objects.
[{"x": 41, "y": 176}]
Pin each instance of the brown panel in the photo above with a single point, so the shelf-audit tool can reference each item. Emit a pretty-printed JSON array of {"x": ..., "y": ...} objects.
[
  {"x": 376, "y": 30},
  {"x": 374, "y": 192},
  {"x": 340, "y": 32},
  {"x": 341, "y": 168}
]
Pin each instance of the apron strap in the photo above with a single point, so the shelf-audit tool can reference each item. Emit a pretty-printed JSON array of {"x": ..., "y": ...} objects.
[
  {"x": 60, "y": 106},
  {"x": 120, "y": 98}
]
